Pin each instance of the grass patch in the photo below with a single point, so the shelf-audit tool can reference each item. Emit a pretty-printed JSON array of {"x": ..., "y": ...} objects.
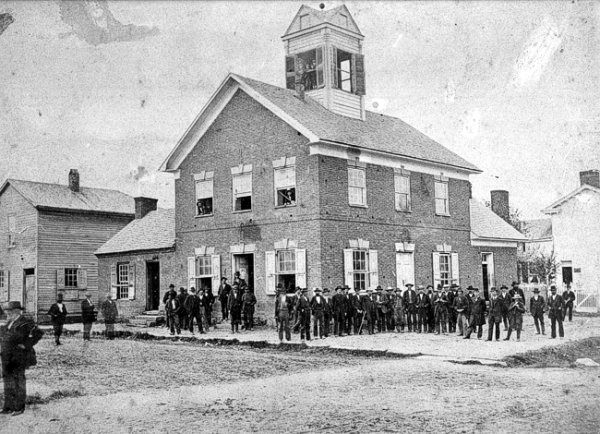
[{"x": 560, "y": 356}]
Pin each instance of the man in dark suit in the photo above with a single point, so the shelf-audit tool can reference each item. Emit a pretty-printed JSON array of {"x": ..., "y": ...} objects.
[
  {"x": 283, "y": 310},
  {"x": 173, "y": 308},
  {"x": 339, "y": 311},
  {"x": 460, "y": 305},
  {"x": 515, "y": 317},
  {"x": 193, "y": 306},
  {"x": 367, "y": 305},
  {"x": 569, "y": 298},
  {"x": 17, "y": 339},
  {"x": 423, "y": 304},
  {"x": 516, "y": 290},
  {"x": 410, "y": 307},
  {"x": 381, "y": 301},
  {"x": 327, "y": 312},
  {"x": 477, "y": 319},
  {"x": 58, "y": 316},
  {"x": 350, "y": 312},
  {"x": 234, "y": 304},
  {"x": 452, "y": 315},
  {"x": 183, "y": 314},
  {"x": 110, "y": 312},
  {"x": 505, "y": 299},
  {"x": 166, "y": 298},
  {"x": 303, "y": 308},
  {"x": 495, "y": 316},
  {"x": 317, "y": 307},
  {"x": 440, "y": 303},
  {"x": 537, "y": 307},
  {"x": 248, "y": 303},
  {"x": 238, "y": 280},
  {"x": 431, "y": 313},
  {"x": 556, "y": 312},
  {"x": 88, "y": 315},
  {"x": 222, "y": 295}
]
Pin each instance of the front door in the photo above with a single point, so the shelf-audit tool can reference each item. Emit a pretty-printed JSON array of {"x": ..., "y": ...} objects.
[
  {"x": 29, "y": 294},
  {"x": 567, "y": 276},
  {"x": 152, "y": 285},
  {"x": 245, "y": 265}
]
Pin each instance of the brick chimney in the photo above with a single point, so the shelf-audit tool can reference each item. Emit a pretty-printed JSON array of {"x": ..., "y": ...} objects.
[
  {"x": 143, "y": 205},
  {"x": 500, "y": 203},
  {"x": 74, "y": 180},
  {"x": 590, "y": 177}
]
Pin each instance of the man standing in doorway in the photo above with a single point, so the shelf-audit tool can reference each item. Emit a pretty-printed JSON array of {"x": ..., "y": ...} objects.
[
  {"x": 110, "y": 314},
  {"x": 238, "y": 280},
  {"x": 88, "y": 315},
  {"x": 58, "y": 315}
]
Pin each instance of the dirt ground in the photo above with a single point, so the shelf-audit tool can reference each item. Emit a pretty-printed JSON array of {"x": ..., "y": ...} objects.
[{"x": 125, "y": 386}]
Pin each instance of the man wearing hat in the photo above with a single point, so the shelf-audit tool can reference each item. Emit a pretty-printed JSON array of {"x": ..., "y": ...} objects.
[
  {"x": 556, "y": 312},
  {"x": 295, "y": 316},
  {"x": 391, "y": 314},
  {"x": 339, "y": 302},
  {"x": 515, "y": 317},
  {"x": 440, "y": 303},
  {"x": 110, "y": 313},
  {"x": 317, "y": 306},
  {"x": 351, "y": 320},
  {"x": 327, "y": 312},
  {"x": 431, "y": 313},
  {"x": 234, "y": 305},
  {"x": 58, "y": 315},
  {"x": 537, "y": 306},
  {"x": 505, "y": 300},
  {"x": 477, "y": 319},
  {"x": 88, "y": 315},
  {"x": 452, "y": 314},
  {"x": 516, "y": 290},
  {"x": 460, "y": 306},
  {"x": 248, "y": 303},
  {"x": 410, "y": 307},
  {"x": 399, "y": 311},
  {"x": 495, "y": 316},
  {"x": 367, "y": 306},
  {"x": 303, "y": 309},
  {"x": 165, "y": 299},
  {"x": 569, "y": 298},
  {"x": 183, "y": 314},
  {"x": 283, "y": 309},
  {"x": 423, "y": 304},
  {"x": 223, "y": 295},
  {"x": 381, "y": 303},
  {"x": 17, "y": 339},
  {"x": 172, "y": 308},
  {"x": 193, "y": 306},
  {"x": 237, "y": 279}
]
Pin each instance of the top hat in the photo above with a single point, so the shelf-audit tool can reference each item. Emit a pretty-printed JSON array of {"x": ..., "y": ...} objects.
[
  {"x": 14, "y": 305},
  {"x": 536, "y": 290}
]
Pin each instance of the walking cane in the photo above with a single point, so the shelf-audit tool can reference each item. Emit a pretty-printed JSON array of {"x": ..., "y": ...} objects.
[{"x": 362, "y": 322}]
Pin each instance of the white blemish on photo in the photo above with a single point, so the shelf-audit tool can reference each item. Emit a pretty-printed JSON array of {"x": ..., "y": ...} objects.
[{"x": 471, "y": 123}]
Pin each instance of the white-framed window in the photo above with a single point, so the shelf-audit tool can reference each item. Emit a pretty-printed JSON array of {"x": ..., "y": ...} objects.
[
  {"x": 344, "y": 69},
  {"x": 204, "y": 193},
  {"x": 445, "y": 268},
  {"x": 12, "y": 228},
  {"x": 361, "y": 268},
  {"x": 286, "y": 266},
  {"x": 122, "y": 281},
  {"x": 357, "y": 186},
  {"x": 442, "y": 206},
  {"x": 204, "y": 269},
  {"x": 402, "y": 192},
  {"x": 2, "y": 284},
  {"x": 71, "y": 277},
  {"x": 285, "y": 186},
  {"x": 242, "y": 187},
  {"x": 405, "y": 269}
]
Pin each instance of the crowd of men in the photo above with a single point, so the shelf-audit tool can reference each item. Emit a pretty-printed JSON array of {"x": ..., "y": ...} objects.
[
  {"x": 237, "y": 306},
  {"x": 446, "y": 309}
]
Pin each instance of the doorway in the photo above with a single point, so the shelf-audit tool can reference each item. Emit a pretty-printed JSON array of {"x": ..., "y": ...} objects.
[
  {"x": 29, "y": 293},
  {"x": 244, "y": 263},
  {"x": 487, "y": 271},
  {"x": 152, "y": 285},
  {"x": 567, "y": 276}
]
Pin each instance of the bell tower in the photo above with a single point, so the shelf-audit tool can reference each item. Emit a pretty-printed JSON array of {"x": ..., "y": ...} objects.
[{"x": 324, "y": 59}]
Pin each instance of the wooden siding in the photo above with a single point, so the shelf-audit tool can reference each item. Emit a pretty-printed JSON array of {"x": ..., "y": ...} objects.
[
  {"x": 305, "y": 42},
  {"x": 23, "y": 255},
  {"x": 317, "y": 95},
  {"x": 68, "y": 240},
  {"x": 346, "y": 104},
  {"x": 344, "y": 42}
]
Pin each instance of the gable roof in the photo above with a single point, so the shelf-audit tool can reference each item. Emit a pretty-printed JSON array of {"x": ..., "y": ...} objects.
[
  {"x": 156, "y": 230},
  {"x": 556, "y": 205},
  {"x": 57, "y": 196},
  {"x": 318, "y": 17},
  {"x": 538, "y": 229},
  {"x": 487, "y": 225},
  {"x": 377, "y": 132}
]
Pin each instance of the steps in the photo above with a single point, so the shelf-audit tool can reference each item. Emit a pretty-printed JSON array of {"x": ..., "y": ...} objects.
[{"x": 150, "y": 318}]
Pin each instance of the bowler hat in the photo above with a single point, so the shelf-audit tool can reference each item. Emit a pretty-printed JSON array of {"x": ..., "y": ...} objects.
[
  {"x": 552, "y": 287},
  {"x": 536, "y": 290},
  {"x": 514, "y": 283},
  {"x": 316, "y": 290},
  {"x": 14, "y": 305},
  {"x": 325, "y": 289},
  {"x": 346, "y": 287},
  {"x": 379, "y": 288},
  {"x": 504, "y": 287}
]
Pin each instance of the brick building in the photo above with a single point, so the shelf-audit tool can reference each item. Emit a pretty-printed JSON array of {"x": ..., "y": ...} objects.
[
  {"x": 50, "y": 233},
  {"x": 303, "y": 186},
  {"x": 140, "y": 260}
]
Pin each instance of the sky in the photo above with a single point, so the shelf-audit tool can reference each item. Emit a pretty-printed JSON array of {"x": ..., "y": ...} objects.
[{"x": 109, "y": 88}]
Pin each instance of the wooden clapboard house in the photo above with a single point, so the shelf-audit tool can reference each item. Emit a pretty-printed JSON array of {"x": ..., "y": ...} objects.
[{"x": 49, "y": 235}]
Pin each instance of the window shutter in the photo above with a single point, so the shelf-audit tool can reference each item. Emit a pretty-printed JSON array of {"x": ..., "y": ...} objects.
[
  {"x": 436, "y": 269},
  {"x": 8, "y": 285},
  {"x": 113, "y": 281},
  {"x": 191, "y": 261},
  {"x": 348, "y": 268},
  {"x": 334, "y": 75},
  {"x": 301, "y": 268},
  {"x": 216, "y": 270},
  {"x": 270, "y": 272},
  {"x": 290, "y": 72},
  {"x": 319, "y": 58},
  {"x": 60, "y": 278},
  {"x": 360, "y": 87},
  {"x": 373, "y": 269},
  {"x": 455, "y": 273},
  {"x": 131, "y": 289},
  {"x": 491, "y": 270},
  {"x": 81, "y": 278}
]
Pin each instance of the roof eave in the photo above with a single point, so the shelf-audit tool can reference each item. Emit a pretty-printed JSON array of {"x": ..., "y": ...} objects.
[
  {"x": 137, "y": 251},
  {"x": 84, "y": 211}
]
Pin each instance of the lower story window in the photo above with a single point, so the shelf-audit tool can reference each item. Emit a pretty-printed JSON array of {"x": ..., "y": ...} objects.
[
  {"x": 360, "y": 269},
  {"x": 204, "y": 273},
  {"x": 123, "y": 281},
  {"x": 286, "y": 268},
  {"x": 445, "y": 274}
]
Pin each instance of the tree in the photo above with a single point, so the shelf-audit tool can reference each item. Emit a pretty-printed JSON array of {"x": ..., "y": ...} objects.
[
  {"x": 514, "y": 218},
  {"x": 536, "y": 263}
]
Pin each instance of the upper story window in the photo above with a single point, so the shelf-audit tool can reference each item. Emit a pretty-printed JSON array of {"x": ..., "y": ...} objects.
[
  {"x": 204, "y": 193},
  {"x": 12, "y": 228},
  {"x": 344, "y": 70},
  {"x": 242, "y": 187},
  {"x": 348, "y": 71},
  {"x": 2, "y": 284},
  {"x": 284, "y": 179},
  {"x": 402, "y": 191},
  {"x": 305, "y": 68},
  {"x": 357, "y": 186},
  {"x": 442, "y": 203}
]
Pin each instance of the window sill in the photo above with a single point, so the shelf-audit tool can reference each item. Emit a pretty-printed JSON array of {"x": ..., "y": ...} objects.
[
  {"x": 443, "y": 215},
  {"x": 242, "y": 211},
  {"x": 199, "y": 216},
  {"x": 355, "y": 205},
  {"x": 285, "y": 206},
  {"x": 405, "y": 211}
]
